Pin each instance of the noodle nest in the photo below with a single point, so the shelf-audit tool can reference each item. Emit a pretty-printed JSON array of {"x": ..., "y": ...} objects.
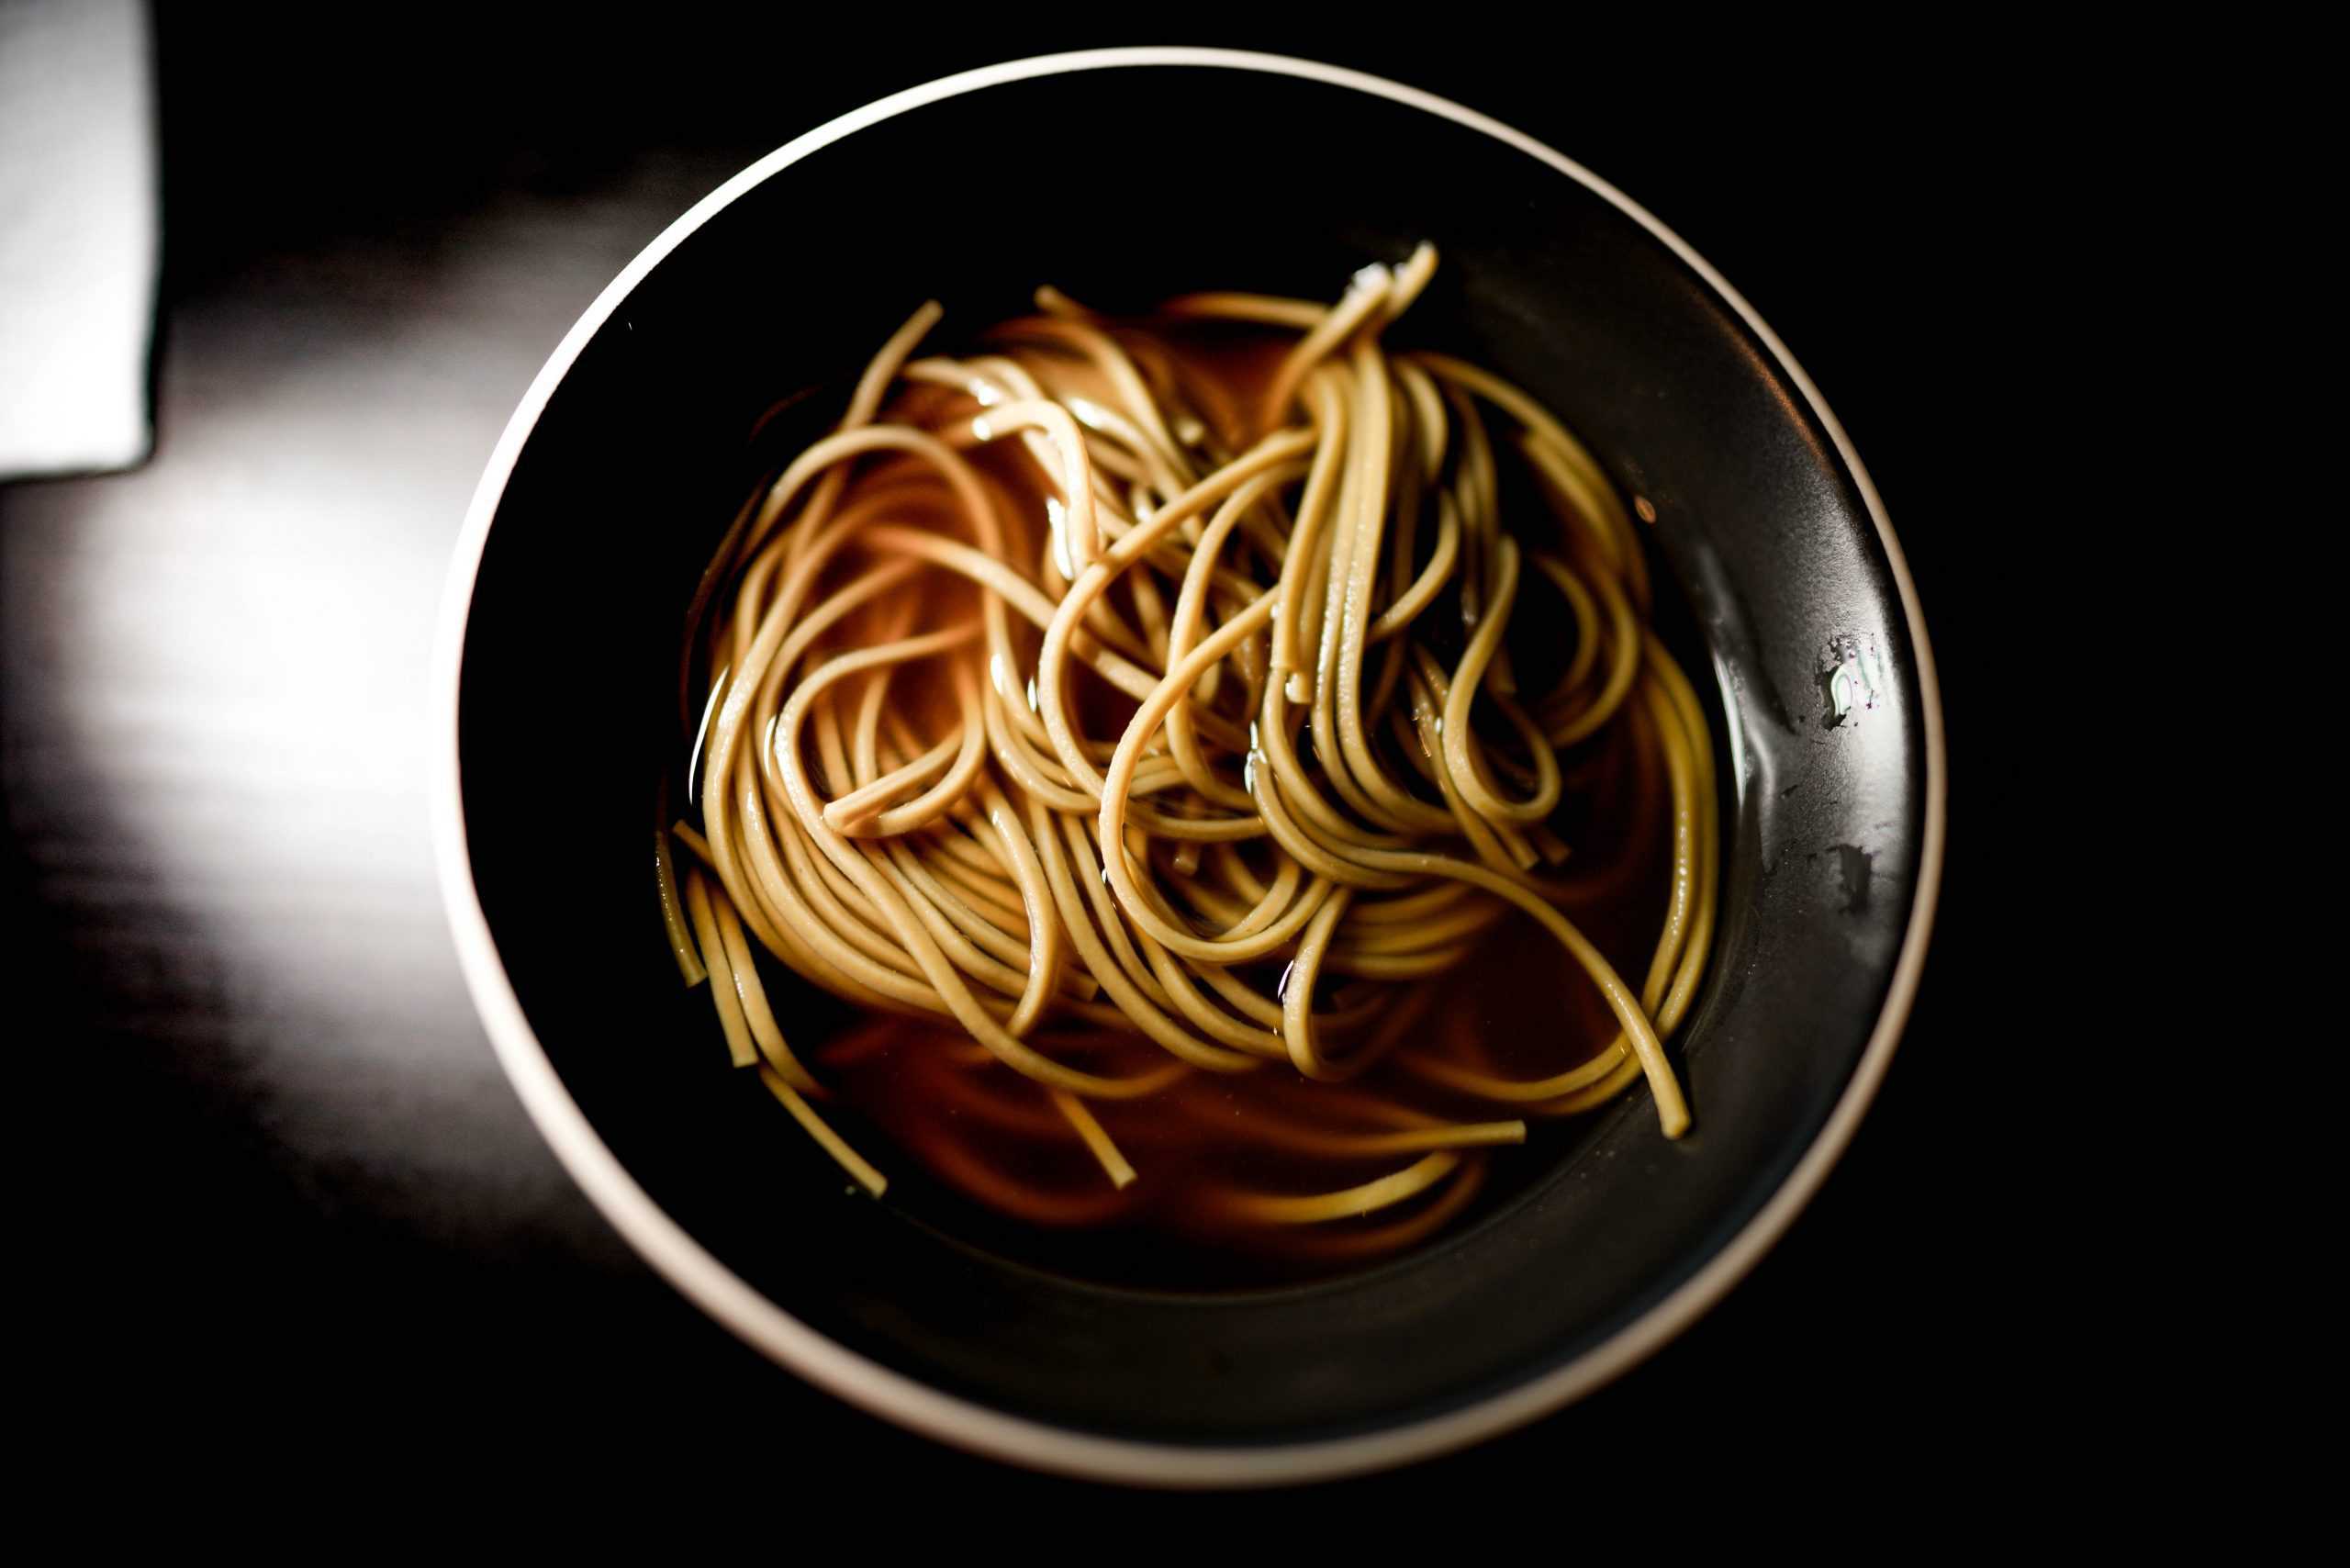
[{"x": 1124, "y": 713}]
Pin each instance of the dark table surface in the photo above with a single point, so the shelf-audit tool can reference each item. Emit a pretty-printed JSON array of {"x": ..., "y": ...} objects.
[{"x": 290, "y": 1176}]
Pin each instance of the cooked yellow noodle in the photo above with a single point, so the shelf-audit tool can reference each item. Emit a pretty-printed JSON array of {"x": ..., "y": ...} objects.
[{"x": 1292, "y": 600}]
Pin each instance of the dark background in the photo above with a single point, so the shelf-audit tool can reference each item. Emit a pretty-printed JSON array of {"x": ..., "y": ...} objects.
[{"x": 282, "y": 1173}]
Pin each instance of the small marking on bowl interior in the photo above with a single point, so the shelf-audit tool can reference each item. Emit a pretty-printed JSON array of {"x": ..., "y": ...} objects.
[
  {"x": 1850, "y": 678},
  {"x": 1855, "y": 867}
]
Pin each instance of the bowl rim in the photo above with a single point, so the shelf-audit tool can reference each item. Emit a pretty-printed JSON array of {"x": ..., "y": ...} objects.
[{"x": 895, "y": 1397}]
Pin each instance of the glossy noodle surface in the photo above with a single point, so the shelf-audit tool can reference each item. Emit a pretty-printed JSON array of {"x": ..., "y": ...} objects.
[{"x": 1228, "y": 766}]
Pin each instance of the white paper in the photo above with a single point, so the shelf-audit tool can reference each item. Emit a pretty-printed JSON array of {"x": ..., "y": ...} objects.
[{"x": 78, "y": 234}]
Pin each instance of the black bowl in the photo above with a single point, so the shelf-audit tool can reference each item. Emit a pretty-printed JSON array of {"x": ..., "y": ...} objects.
[{"x": 628, "y": 456}]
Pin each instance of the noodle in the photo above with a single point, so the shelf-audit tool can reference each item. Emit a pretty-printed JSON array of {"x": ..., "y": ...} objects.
[{"x": 1139, "y": 731}]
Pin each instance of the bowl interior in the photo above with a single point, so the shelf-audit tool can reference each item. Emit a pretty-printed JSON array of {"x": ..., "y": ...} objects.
[{"x": 1121, "y": 185}]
